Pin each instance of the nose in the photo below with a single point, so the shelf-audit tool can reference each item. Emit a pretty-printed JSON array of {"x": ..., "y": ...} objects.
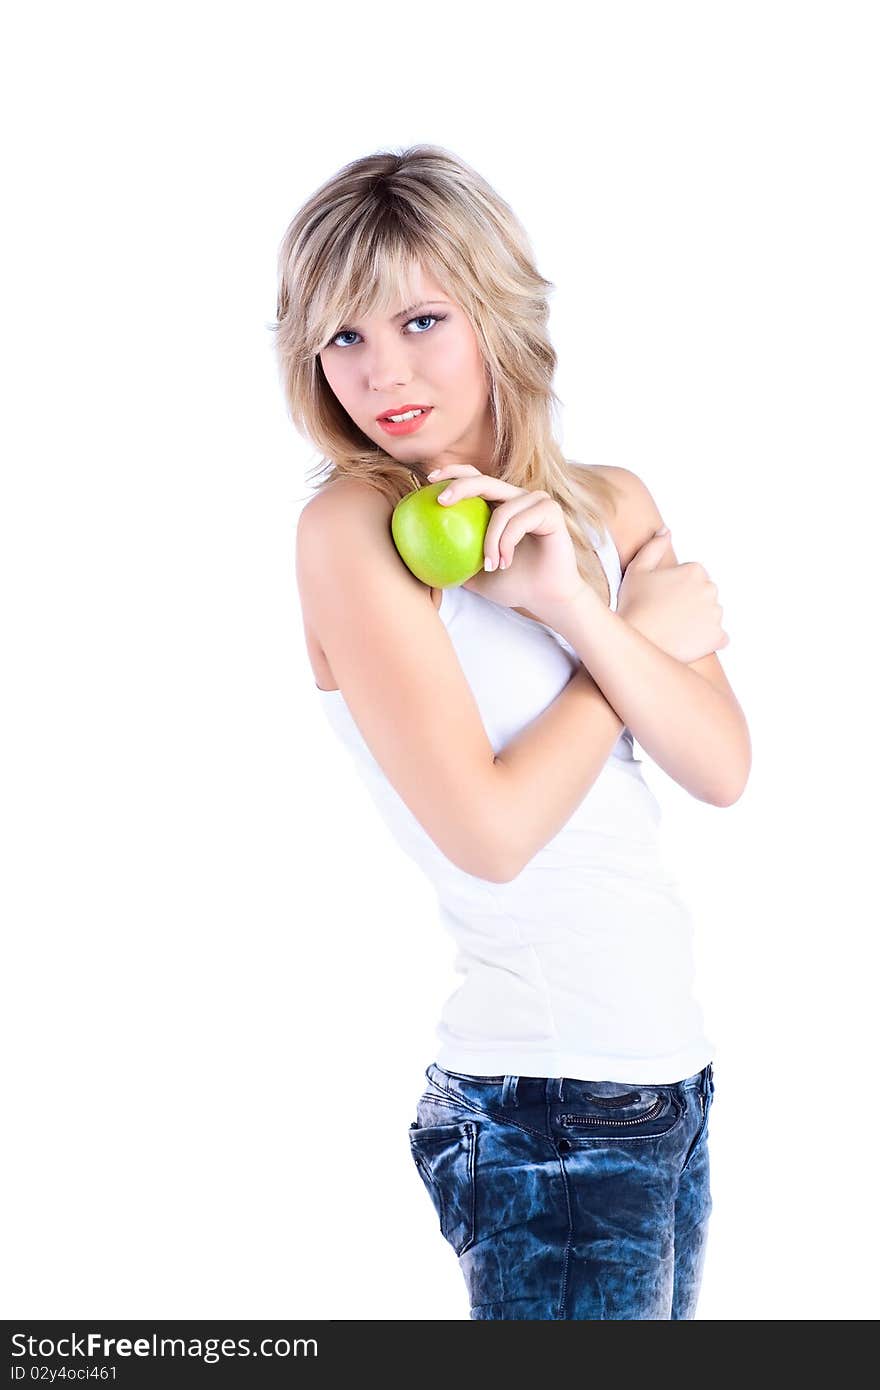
[
  {"x": 382, "y": 383},
  {"x": 386, "y": 371}
]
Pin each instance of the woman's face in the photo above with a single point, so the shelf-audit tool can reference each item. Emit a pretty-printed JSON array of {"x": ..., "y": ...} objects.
[{"x": 428, "y": 355}]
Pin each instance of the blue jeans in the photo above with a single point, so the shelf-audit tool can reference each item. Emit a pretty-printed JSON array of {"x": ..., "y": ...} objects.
[{"x": 566, "y": 1198}]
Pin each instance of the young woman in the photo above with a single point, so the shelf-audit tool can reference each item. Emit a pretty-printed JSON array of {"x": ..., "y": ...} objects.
[{"x": 562, "y": 1136}]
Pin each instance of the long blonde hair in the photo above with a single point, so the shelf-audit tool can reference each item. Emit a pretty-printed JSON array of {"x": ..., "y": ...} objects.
[{"x": 350, "y": 250}]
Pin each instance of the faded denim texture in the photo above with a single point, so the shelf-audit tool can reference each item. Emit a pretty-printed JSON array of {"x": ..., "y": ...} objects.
[{"x": 569, "y": 1199}]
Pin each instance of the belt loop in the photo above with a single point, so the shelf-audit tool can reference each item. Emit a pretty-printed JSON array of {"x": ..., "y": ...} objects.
[
  {"x": 508, "y": 1091},
  {"x": 704, "y": 1081}
]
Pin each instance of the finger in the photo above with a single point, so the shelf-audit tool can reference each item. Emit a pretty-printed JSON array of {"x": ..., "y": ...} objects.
[
  {"x": 540, "y": 517},
  {"x": 453, "y": 470},
  {"x": 498, "y": 522},
  {"x": 483, "y": 485}
]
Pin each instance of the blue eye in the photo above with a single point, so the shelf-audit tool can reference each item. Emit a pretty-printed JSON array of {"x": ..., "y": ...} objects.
[{"x": 420, "y": 318}]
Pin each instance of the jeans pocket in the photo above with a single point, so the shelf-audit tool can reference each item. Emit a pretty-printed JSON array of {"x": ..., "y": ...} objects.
[
  {"x": 445, "y": 1156},
  {"x": 701, "y": 1134}
]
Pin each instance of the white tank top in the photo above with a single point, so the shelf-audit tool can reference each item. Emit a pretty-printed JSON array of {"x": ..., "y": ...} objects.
[{"x": 582, "y": 965}]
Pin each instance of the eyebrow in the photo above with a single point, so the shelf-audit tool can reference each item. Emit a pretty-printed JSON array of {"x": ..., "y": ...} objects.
[{"x": 422, "y": 304}]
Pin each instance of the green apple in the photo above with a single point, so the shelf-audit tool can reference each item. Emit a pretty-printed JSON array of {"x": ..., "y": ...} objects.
[{"x": 441, "y": 544}]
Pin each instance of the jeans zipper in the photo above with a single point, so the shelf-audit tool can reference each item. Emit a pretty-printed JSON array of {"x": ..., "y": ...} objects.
[{"x": 604, "y": 1120}]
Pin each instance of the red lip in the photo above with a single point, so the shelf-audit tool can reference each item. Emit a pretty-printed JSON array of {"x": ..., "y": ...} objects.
[
  {"x": 402, "y": 409},
  {"x": 418, "y": 422}
]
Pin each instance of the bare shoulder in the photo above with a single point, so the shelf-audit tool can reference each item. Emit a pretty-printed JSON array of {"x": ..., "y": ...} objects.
[
  {"x": 314, "y": 530},
  {"x": 357, "y": 511},
  {"x": 637, "y": 515},
  {"x": 624, "y": 502},
  {"x": 637, "y": 520},
  {"x": 335, "y": 498}
]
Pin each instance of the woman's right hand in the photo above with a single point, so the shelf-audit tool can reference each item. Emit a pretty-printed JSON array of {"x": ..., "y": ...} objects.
[{"x": 676, "y": 607}]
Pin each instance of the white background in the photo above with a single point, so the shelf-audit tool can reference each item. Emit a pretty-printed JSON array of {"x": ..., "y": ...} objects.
[{"x": 221, "y": 976}]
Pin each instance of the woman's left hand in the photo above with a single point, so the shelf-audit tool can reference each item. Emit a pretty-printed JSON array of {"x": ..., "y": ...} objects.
[{"x": 527, "y": 531}]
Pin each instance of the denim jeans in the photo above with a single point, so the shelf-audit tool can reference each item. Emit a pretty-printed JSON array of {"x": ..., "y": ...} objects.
[{"x": 569, "y": 1199}]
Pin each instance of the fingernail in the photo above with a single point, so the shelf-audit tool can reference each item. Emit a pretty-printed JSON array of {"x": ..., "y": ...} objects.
[
  {"x": 444, "y": 496},
  {"x": 488, "y": 563},
  {"x": 433, "y": 473},
  {"x": 663, "y": 531}
]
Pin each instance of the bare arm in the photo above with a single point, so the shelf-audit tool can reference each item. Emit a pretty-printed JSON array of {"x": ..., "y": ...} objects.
[
  {"x": 686, "y": 716},
  {"x": 695, "y": 731},
  {"x": 551, "y": 764},
  {"x": 407, "y": 693},
  {"x": 398, "y": 673}
]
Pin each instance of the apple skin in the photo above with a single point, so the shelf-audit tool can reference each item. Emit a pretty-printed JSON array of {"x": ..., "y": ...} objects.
[{"x": 441, "y": 545}]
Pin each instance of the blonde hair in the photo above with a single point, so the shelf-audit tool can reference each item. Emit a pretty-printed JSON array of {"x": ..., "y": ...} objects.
[{"x": 351, "y": 250}]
